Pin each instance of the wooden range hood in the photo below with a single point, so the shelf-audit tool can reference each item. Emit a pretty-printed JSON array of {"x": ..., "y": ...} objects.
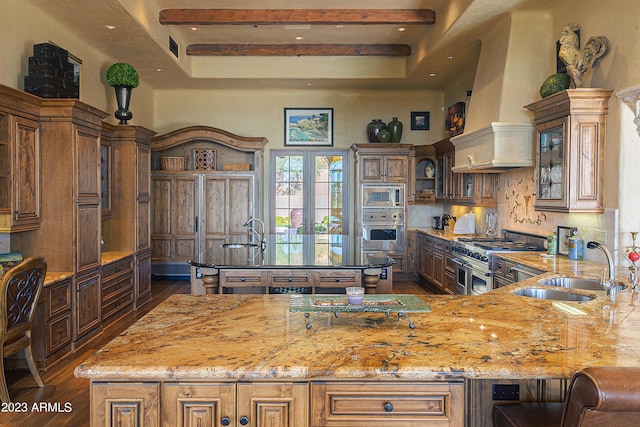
[{"x": 297, "y": 17}]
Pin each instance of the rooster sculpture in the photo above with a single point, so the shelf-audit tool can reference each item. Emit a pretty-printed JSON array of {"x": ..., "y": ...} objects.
[{"x": 579, "y": 61}]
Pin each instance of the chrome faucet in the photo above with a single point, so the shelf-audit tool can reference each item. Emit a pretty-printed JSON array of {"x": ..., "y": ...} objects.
[
  {"x": 254, "y": 232},
  {"x": 633, "y": 277},
  {"x": 603, "y": 248}
]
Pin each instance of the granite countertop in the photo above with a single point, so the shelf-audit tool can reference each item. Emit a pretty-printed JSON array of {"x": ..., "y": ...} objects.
[
  {"x": 108, "y": 257},
  {"x": 494, "y": 335},
  {"x": 56, "y": 276}
]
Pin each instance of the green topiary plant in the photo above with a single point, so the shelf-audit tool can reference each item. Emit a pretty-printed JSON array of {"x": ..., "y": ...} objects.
[{"x": 121, "y": 74}]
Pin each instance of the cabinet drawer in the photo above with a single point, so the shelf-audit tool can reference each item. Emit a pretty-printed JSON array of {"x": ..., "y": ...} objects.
[
  {"x": 59, "y": 334},
  {"x": 242, "y": 278},
  {"x": 117, "y": 268},
  {"x": 113, "y": 306},
  {"x": 337, "y": 279},
  {"x": 290, "y": 277},
  {"x": 379, "y": 404},
  {"x": 58, "y": 298},
  {"x": 116, "y": 287}
]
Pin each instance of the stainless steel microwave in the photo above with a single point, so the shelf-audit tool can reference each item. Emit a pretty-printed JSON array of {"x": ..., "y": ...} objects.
[{"x": 382, "y": 195}]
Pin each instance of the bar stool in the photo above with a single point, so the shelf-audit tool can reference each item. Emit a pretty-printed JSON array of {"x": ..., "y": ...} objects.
[{"x": 597, "y": 397}]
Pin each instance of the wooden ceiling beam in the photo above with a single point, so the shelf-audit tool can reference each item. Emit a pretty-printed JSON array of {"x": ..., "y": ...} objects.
[
  {"x": 207, "y": 49},
  {"x": 296, "y": 16}
]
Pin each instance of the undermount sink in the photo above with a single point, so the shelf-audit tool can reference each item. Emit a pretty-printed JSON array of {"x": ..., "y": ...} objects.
[
  {"x": 577, "y": 283},
  {"x": 552, "y": 294}
]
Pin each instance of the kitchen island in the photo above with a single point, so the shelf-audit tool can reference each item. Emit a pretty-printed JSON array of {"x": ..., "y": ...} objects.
[
  {"x": 290, "y": 263},
  {"x": 241, "y": 358}
]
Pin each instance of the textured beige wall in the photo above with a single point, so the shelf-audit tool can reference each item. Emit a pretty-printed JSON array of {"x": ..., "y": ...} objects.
[{"x": 22, "y": 25}]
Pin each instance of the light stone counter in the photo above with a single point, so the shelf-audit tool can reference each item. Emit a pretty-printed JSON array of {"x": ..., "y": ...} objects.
[{"x": 495, "y": 335}]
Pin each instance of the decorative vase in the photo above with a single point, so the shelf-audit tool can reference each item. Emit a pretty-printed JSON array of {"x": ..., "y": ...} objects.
[
  {"x": 373, "y": 128},
  {"x": 395, "y": 127},
  {"x": 123, "y": 97},
  {"x": 384, "y": 135}
]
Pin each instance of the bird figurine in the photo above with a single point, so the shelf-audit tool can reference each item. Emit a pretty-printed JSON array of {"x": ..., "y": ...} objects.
[{"x": 579, "y": 61}]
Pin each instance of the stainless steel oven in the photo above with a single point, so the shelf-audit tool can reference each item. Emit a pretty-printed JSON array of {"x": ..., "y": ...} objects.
[
  {"x": 472, "y": 278},
  {"x": 383, "y": 230},
  {"x": 474, "y": 258}
]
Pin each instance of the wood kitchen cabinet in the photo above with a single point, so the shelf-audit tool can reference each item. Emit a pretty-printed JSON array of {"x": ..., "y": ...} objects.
[
  {"x": 424, "y": 174},
  {"x": 506, "y": 272},
  {"x": 382, "y": 162},
  {"x": 466, "y": 188},
  {"x": 434, "y": 263},
  {"x": 397, "y": 404},
  {"x": 20, "y": 176},
  {"x": 268, "y": 404},
  {"x": 277, "y": 404},
  {"x": 198, "y": 208},
  {"x": 193, "y": 212},
  {"x": 69, "y": 235},
  {"x": 127, "y": 226},
  {"x": 570, "y": 138},
  {"x": 19, "y": 170}
]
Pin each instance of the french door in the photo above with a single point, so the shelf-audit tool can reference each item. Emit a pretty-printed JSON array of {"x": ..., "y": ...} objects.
[{"x": 309, "y": 199}]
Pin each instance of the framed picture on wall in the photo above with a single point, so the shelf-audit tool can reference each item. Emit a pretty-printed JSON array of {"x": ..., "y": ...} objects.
[
  {"x": 419, "y": 120},
  {"x": 308, "y": 127}
]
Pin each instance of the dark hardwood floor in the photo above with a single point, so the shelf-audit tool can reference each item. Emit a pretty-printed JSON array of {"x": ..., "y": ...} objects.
[{"x": 66, "y": 396}]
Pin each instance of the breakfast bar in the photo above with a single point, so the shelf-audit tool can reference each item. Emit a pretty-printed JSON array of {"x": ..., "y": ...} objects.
[{"x": 240, "y": 357}]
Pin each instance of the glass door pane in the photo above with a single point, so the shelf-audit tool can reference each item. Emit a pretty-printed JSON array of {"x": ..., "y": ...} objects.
[{"x": 308, "y": 204}]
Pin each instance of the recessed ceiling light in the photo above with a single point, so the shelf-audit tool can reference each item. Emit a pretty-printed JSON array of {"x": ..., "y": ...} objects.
[
  {"x": 339, "y": 26},
  {"x": 401, "y": 29},
  {"x": 299, "y": 38},
  {"x": 194, "y": 28},
  {"x": 432, "y": 74},
  {"x": 159, "y": 70},
  {"x": 309, "y": 84},
  {"x": 110, "y": 27},
  {"x": 451, "y": 57}
]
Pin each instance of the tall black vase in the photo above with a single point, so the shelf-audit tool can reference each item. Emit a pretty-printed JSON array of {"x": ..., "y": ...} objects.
[{"x": 123, "y": 96}]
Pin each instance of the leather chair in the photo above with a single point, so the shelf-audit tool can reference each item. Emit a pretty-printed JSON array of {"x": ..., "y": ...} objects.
[
  {"x": 20, "y": 289},
  {"x": 597, "y": 396}
]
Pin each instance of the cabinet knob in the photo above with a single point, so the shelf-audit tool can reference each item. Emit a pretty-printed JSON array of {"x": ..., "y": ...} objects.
[
  {"x": 388, "y": 407},
  {"x": 244, "y": 420},
  {"x": 225, "y": 421}
]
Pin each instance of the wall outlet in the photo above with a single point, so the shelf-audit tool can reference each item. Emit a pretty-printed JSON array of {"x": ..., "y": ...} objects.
[
  {"x": 505, "y": 391},
  {"x": 600, "y": 236}
]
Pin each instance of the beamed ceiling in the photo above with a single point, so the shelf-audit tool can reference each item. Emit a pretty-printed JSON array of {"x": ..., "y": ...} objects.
[{"x": 399, "y": 44}]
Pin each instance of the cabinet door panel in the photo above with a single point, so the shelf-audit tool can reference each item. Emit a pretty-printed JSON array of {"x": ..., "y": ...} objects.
[
  {"x": 88, "y": 232},
  {"x": 215, "y": 196},
  {"x": 277, "y": 405},
  {"x": 161, "y": 200},
  {"x": 142, "y": 227},
  {"x": 27, "y": 185},
  {"x": 184, "y": 206},
  {"x": 241, "y": 191},
  {"x": 88, "y": 305},
  {"x": 396, "y": 168},
  {"x": 88, "y": 164},
  {"x": 125, "y": 405},
  {"x": 196, "y": 405},
  {"x": 371, "y": 168}
]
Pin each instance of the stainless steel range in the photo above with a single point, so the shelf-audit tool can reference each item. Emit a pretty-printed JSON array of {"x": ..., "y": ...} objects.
[{"x": 473, "y": 258}]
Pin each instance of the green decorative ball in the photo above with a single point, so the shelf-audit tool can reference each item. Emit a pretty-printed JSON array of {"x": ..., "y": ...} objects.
[
  {"x": 555, "y": 83},
  {"x": 121, "y": 74}
]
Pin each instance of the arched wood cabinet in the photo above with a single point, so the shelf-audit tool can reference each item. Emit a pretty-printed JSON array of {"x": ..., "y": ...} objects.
[{"x": 205, "y": 184}]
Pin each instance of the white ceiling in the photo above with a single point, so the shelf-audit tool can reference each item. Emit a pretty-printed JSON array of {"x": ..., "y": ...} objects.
[{"x": 142, "y": 41}]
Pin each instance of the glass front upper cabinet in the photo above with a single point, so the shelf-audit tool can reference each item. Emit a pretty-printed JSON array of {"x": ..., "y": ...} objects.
[{"x": 551, "y": 164}]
